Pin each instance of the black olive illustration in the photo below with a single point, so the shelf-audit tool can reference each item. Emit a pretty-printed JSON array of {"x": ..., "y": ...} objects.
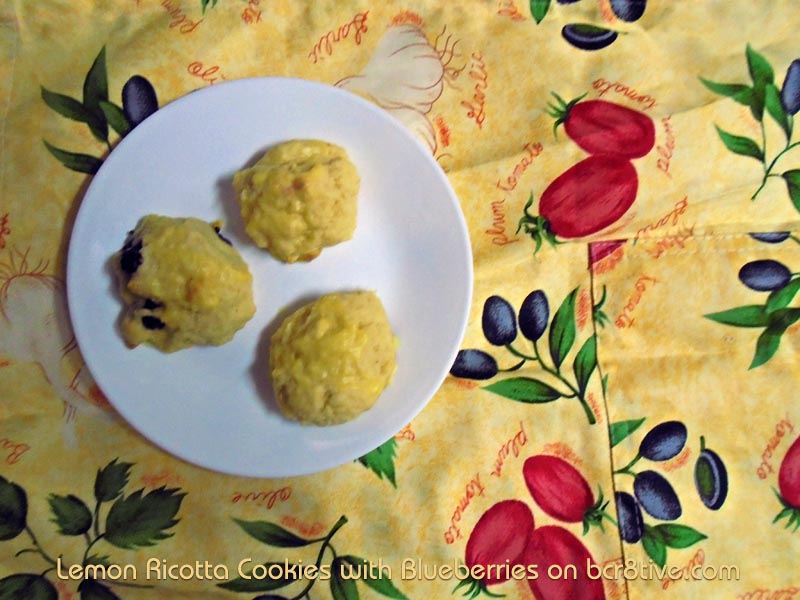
[
  {"x": 474, "y": 364},
  {"x": 150, "y": 322},
  {"x": 629, "y": 517},
  {"x": 150, "y": 304},
  {"x": 131, "y": 256},
  {"x": 765, "y": 275},
  {"x": 790, "y": 92},
  {"x": 499, "y": 321},
  {"x": 629, "y": 10},
  {"x": 710, "y": 477},
  {"x": 656, "y": 496},
  {"x": 534, "y": 315},
  {"x": 772, "y": 237},
  {"x": 588, "y": 37},
  {"x": 139, "y": 100},
  {"x": 222, "y": 237},
  {"x": 664, "y": 441}
]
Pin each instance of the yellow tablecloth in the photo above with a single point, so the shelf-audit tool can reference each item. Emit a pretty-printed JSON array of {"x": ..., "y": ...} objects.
[{"x": 663, "y": 378}]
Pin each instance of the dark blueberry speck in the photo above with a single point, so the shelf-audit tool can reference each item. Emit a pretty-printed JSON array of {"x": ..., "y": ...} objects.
[
  {"x": 152, "y": 322},
  {"x": 150, "y": 304},
  {"x": 222, "y": 237},
  {"x": 131, "y": 257}
]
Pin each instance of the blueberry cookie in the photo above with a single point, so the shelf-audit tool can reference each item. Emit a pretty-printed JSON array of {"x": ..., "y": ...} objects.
[
  {"x": 331, "y": 359},
  {"x": 299, "y": 198},
  {"x": 182, "y": 284}
]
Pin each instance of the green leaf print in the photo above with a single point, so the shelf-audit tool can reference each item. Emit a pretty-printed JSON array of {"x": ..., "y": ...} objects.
[
  {"x": 622, "y": 429},
  {"x": 83, "y": 163},
  {"x": 272, "y": 535},
  {"x": 381, "y": 460},
  {"x": 13, "y": 509},
  {"x": 27, "y": 586},
  {"x": 71, "y": 515},
  {"x": 142, "y": 519},
  {"x": 524, "y": 389},
  {"x": 95, "y": 90},
  {"x": 111, "y": 480}
]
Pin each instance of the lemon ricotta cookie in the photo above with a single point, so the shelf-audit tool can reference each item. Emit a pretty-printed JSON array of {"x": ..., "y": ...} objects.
[
  {"x": 182, "y": 284},
  {"x": 331, "y": 359},
  {"x": 299, "y": 198}
]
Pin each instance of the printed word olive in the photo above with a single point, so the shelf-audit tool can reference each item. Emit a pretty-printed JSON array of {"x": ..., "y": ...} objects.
[
  {"x": 588, "y": 37},
  {"x": 534, "y": 315},
  {"x": 656, "y": 496},
  {"x": 499, "y": 321},
  {"x": 664, "y": 441},
  {"x": 138, "y": 100},
  {"x": 629, "y": 517},
  {"x": 765, "y": 275},
  {"x": 628, "y": 10},
  {"x": 474, "y": 364},
  {"x": 710, "y": 478},
  {"x": 775, "y": 237},
  {"x": 790, "y": 93}
]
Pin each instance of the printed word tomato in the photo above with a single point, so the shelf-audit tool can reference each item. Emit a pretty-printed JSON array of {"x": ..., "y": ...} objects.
[{"x": 556, "y": 552}]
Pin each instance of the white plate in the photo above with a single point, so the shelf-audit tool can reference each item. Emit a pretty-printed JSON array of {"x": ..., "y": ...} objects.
[{"x": 213, "y": 406}]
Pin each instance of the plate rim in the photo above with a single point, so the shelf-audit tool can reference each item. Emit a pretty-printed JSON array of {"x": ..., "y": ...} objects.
[{"x": 72, "y": 279}]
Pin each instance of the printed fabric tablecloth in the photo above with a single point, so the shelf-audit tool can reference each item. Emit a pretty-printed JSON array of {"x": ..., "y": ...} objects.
[{"x": 621, "y": 420}]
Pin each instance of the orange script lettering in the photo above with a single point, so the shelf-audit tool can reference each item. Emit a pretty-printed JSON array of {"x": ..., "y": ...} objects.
[
  {"x": 325, "y": 44},
  {"x": 266, "y": 498},
  {"x": 507, "y": 8},
  {"x": 179, "y": 18},
  {"x": 476, "y": 106},
  {"x": 15, "y": 450},
  {"x": 209, "y": 75},
  {"x": 512, "y": 446},
  {"x": 603, "y": 87},
  {"x": 4, "y": 230},
  {"x": 666, "y": 151},
  {"x": 473, "y": 488},
  {"x": 781, "y": 428},
  {"x": 624, "y": 319}
]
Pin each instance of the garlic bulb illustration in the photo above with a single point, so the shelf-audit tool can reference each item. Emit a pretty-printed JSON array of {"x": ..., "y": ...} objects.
[{"x": 406, "y": 75}]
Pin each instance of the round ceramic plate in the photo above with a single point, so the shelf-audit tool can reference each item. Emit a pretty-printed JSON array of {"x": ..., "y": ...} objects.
[{"x": 213, "y": 406}]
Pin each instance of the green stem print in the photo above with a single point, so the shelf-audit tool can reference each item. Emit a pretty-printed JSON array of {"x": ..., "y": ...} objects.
[
  {"x": 98, "y": 113},
  {"x": 341, "y": 571},
  {"x": 131, "y": 522},
  {"x": 774, "y": 317},
  {"x": 500, "y": 329},
  {"x": 764, "y": 98},
  {"x": 653, "y": 494}
]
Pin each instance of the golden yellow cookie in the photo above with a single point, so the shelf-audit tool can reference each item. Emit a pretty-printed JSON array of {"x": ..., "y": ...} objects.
[
  {"x": 332, "y": 358},
  {"x": 299, "y": 198},
  {"x": 182, "y": 284}
]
